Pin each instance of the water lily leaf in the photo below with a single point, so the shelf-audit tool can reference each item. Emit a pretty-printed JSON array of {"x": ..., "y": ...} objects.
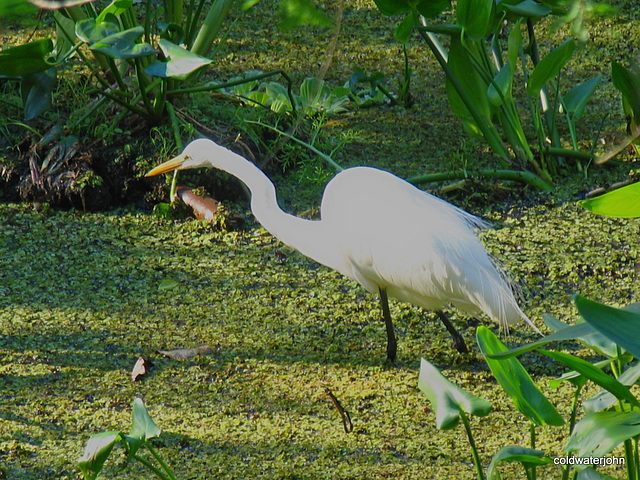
[
  {"x": 447, "y": 399},
  {"x": 622, "y": 202},
  {"x": 614, "y": 323},
  {"x": 180, "y": 62},
  {"x": 122, "y": 45},
  {"x": 514, "y": 453},
  {"x": 517, "y": 382},
  {"x": 599, "y": 433},
  {"x": 96, "y": 452},
  {"x": 26, "y": 59},
  {"x": 594, "y": 374},
  {"x": 550, "y": 66},
  {"x": 576, "y": 100}
]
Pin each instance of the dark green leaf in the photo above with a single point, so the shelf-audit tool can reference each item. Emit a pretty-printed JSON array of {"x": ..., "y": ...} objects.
[
  {"x": 427, "y": 8},
  {"x": 514, "y": 45},
  {"x": 550, "y": 66},
  {"x": 599, "y": 433},
  {"x": 515, "y": 380},
  {"x": 90, "y": 31},
  {"x": 474, "y": 16},
  {"x": 9, "y": 8},
  {"x": 115, "y": 8},
  {"x": 26, "y": 59},
  {"x": 503, "y": 81},
  {"x": 404, "y": 29},
  {"x": 65, "y": 35},
  {"x": 622, "y": 202},
  {"x": 528, "y": 8},
  {"x": 589, "y": 336},
  {"x": 36, "y": 92},
  {"x": 122, "y": 45},
  {"x": 447, "y": 399},
  {"x": 513, "y": 453},
  {"x": 96, "y": 453},
  {"x": 619, "y": 325},
  {"x": 604, "y": 399},
  {"x": 300, "y": 13},
  {"x": 143, "y": 427},
  {"x": 180, "y": 62},
  {"x": 591, "y": 474},
  {"x": 576, "y": 100},
  {"x": 594, "y": 374},
  {"x": 628, "y": 82},
  {"x": 462, "y": 67}
]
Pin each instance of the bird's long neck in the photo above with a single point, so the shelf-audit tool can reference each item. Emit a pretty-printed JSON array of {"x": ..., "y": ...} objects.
[{"x": 309, "y": 237}]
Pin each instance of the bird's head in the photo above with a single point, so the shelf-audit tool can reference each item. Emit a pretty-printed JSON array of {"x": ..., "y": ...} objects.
[{"x": 199, "y": 153}]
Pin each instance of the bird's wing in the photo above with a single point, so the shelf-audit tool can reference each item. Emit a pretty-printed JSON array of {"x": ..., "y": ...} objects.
[{"x": 422, "y": 249}]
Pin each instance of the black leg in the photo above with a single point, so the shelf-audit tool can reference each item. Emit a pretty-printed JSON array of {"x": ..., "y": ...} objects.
[
  {"x": 458, "y": 341},
  {"x": 392, "y": 344}
]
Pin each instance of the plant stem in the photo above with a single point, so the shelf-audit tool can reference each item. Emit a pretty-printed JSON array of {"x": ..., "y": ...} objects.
[
  {"x": 211, "y": 27},
  {"x": 176, "y": 135},
  {"x": 151, "y": 467},
  {"x": 513, "y": 175},
  {"x": 532, "y": 427},
  {"x": 488, "y": 131},
  {"x": 162, "y": 463},
  {"x": 474, "y": 450}
]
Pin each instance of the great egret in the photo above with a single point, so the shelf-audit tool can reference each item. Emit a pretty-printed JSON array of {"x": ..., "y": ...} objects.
[{"x": 382, "y": 232}]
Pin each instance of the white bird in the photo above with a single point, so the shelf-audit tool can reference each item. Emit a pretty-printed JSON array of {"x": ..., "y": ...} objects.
[{"x": 382, "y": 232}]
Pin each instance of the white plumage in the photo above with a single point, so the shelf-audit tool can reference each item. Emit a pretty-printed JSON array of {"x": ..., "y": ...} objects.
[{"x": 382, "y": 232}]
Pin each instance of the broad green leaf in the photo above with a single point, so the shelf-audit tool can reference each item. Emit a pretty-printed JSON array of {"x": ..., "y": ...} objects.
[
  {"x": 527, "y": 8},
  {"x": 427, "y": 8},
  {"x": 599, "y": 433},
  {"x": 143, "y": 427},
  {"x": 604, "y": 399},
  {"x": 404, "y": 29},
  {"x": 589, "y": 337},
  {"x": 576, "y": 100},
  {"x": 619, "y": 325},
  {"x": 513, "y": 453},
  {"x": 122, "y": 45},
  {"x": 300, "y": 13},
  {"x": 550, "y": 66},
  {"x": 115, "y": 8},
  {"x": 10, "y": 8},
  {"x": 503, "y": 81},
  {"x": 628, "y": 83},
  {"x": 447, "y": 399},
  {"x": 26, "y": 59},
  {"x": 517, "y": 382},
  {"x": 180, "y": 62},
  {"x": 96, "y": 453},
  {"x": 622, "y": 202},
  {"x": 36, "y": 90},
  {"x": 514, "y": 44},
  {"x": 591, "y": 474},
  {"x": 470, "y": 81},
  {"x": 570, "y": 333},
  {"x": 594, "y": 374},
  {"x": 65, "y": 35},
  {"x": 474, "y": 16},
  {"x": 90, "y": 31}
]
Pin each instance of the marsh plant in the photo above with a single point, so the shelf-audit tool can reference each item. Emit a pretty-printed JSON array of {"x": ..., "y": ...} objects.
[
  {"x": 100, "y": 446},
  {"x": 487, "y": 42},
  {"x": 611, "y": 417}
]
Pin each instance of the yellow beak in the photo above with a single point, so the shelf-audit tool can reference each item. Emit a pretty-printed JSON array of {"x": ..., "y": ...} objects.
[{"x": 168, "y": 166}]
